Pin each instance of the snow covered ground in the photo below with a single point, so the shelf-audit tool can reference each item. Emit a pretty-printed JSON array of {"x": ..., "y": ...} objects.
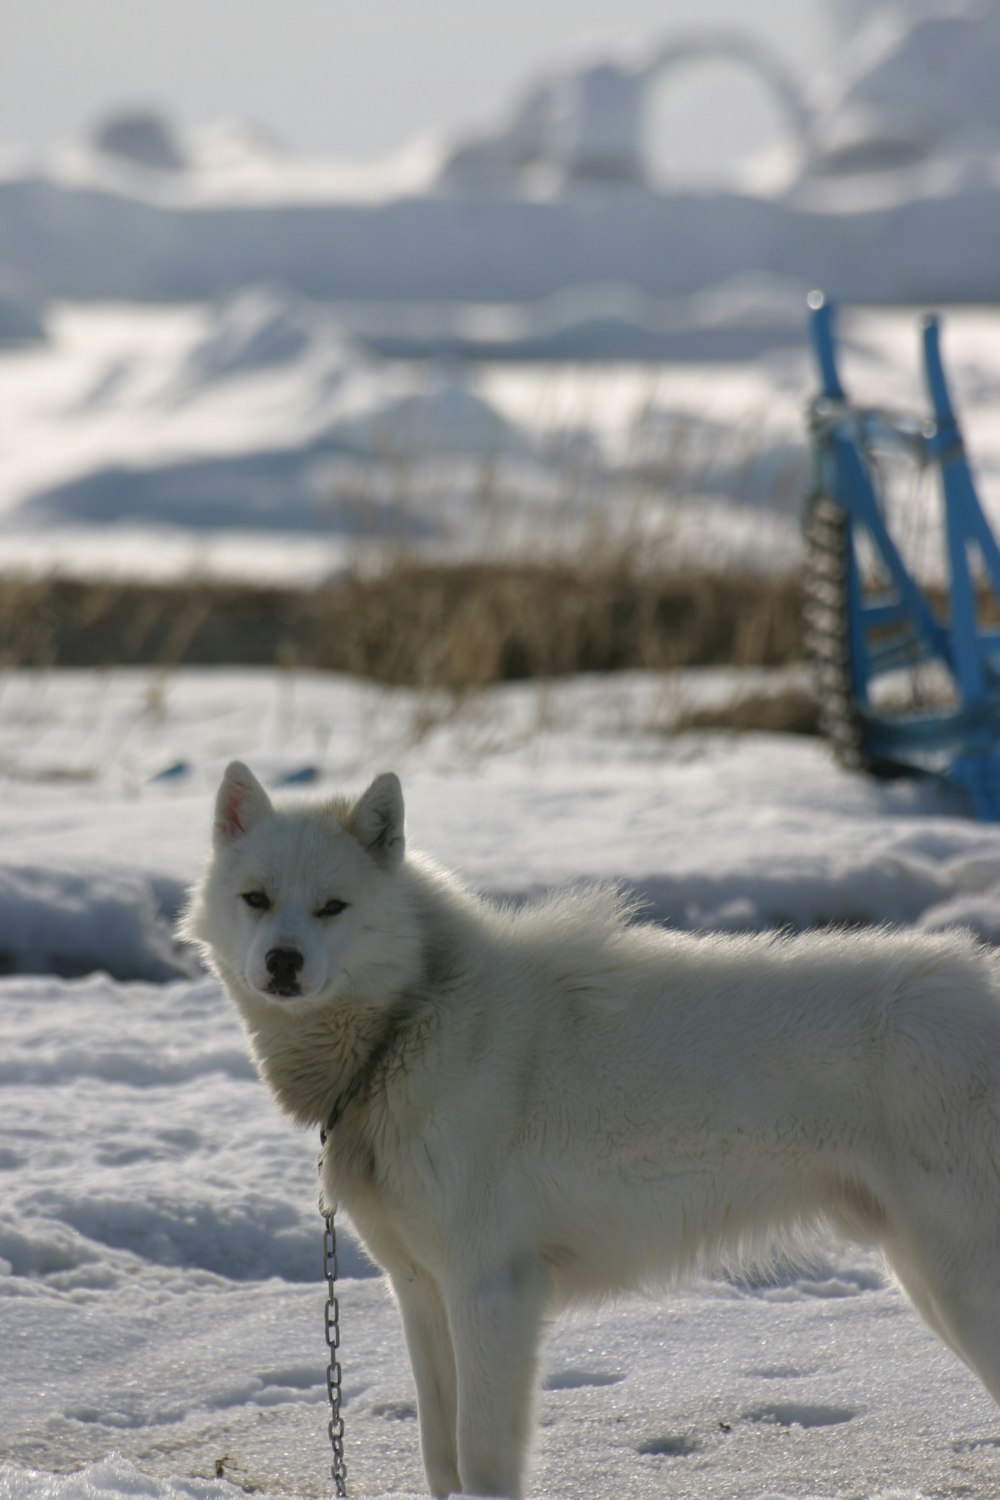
[
  {"x": 161, "y": 1303},
  {"x": 160, "y": 1292},
  {"x": 258, "y": 437}
]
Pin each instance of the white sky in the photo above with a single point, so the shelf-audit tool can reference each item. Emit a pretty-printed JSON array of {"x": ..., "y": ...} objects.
[{"x": 359, "y": 77}]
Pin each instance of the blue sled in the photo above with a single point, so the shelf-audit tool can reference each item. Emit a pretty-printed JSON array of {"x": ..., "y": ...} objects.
[{"x": 896, "y": 624}]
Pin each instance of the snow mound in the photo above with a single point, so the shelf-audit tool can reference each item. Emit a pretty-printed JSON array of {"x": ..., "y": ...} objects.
[
  {"x": 21, "y": 317},
  {"x": 72, "y": 921},
  {"x": 259, "y": 331},
  {"x": 446, "y": 416},
  {"x": 234, "y": 146},
  {"x": 257, "y": 328},
  {"x": 251, "y": 1239},
  {"x": 740, "y": 320},
  {"x": 113, "y": 1478},
  {"x": 938, "y": 74},
  {"x": 285, "y": 490},
  {"x": 107, "y": 241},
  {"x": 143, "y": 139},
  {"x": 22, "y": 310}
]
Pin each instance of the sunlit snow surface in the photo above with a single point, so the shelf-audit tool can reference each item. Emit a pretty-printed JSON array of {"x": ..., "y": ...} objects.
[
  {"x": 260, "y": 438},
  {"x": 161, "y": 1302}
]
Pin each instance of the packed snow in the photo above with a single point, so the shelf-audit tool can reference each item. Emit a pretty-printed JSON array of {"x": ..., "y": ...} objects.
[{"x": 161, "y": 1301}]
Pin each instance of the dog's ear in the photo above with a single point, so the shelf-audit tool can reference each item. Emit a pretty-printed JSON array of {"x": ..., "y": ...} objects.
[
  {"x": 376, "y": 820},
  {"x": 241, "y": 802}
]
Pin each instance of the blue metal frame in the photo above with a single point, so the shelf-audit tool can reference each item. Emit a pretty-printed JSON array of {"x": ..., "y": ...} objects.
[{"x": 902, "y": 627}]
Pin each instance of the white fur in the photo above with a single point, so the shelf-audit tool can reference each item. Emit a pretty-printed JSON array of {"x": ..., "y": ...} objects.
[{"x": 571, "y": 1105}]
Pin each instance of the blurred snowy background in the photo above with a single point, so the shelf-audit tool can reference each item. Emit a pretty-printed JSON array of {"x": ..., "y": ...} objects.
[{"x": 326, "y": 281}]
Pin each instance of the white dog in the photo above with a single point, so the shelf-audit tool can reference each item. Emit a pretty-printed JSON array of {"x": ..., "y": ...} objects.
[{"x": 528, "y": 1107}]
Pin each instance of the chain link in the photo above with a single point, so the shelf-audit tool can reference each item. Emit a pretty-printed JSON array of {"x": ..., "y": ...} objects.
[{"x": 335, "y": 1428}]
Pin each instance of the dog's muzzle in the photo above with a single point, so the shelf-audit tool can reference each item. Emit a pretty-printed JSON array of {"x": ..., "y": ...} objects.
[{"x": 284, "y": 966}]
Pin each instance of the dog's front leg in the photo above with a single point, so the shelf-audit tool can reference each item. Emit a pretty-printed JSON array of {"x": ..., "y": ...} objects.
[
  {"x": 496, "y": 1325},
  {"x": 425, "y": 1325}
]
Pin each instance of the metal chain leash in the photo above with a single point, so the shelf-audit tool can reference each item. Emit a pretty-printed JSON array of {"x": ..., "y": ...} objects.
[{"x": 335, "y": 1428}]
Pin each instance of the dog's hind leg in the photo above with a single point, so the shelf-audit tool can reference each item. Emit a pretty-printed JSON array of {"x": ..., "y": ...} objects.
[
  {"x": 918, "y": 1292},
  {"x": 425, "y": 1326},
  {"x": 966, "y": 1299},
  {"x": 949, "y": 1265},
  {"x": 496, "y": 1326}
]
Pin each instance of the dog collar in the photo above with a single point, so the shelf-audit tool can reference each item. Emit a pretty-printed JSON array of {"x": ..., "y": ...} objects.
[{"x": 365, "y": 1071}]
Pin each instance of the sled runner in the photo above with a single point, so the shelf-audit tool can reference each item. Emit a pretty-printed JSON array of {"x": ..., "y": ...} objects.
[{"x": 902, "y": 585}]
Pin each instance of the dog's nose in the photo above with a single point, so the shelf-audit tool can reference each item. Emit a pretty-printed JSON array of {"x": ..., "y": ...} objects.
[{"x": 283, "y": 965}]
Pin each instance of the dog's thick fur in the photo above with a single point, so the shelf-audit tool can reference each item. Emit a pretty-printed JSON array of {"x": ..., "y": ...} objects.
[{"x": 533, "y": 1106}]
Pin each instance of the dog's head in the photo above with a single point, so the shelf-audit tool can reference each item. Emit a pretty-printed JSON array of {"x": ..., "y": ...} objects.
[{"x": 293, "y": 905}]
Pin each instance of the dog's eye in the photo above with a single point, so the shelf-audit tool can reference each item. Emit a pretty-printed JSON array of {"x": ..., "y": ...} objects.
[
  {"x": 332, "y": 908},
  {"x": 257, "y": 900}
]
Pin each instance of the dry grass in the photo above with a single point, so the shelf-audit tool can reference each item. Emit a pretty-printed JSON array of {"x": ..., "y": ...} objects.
[
  {"x": 416, "y": 624},
  {"x": 786, "y": 711}
]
